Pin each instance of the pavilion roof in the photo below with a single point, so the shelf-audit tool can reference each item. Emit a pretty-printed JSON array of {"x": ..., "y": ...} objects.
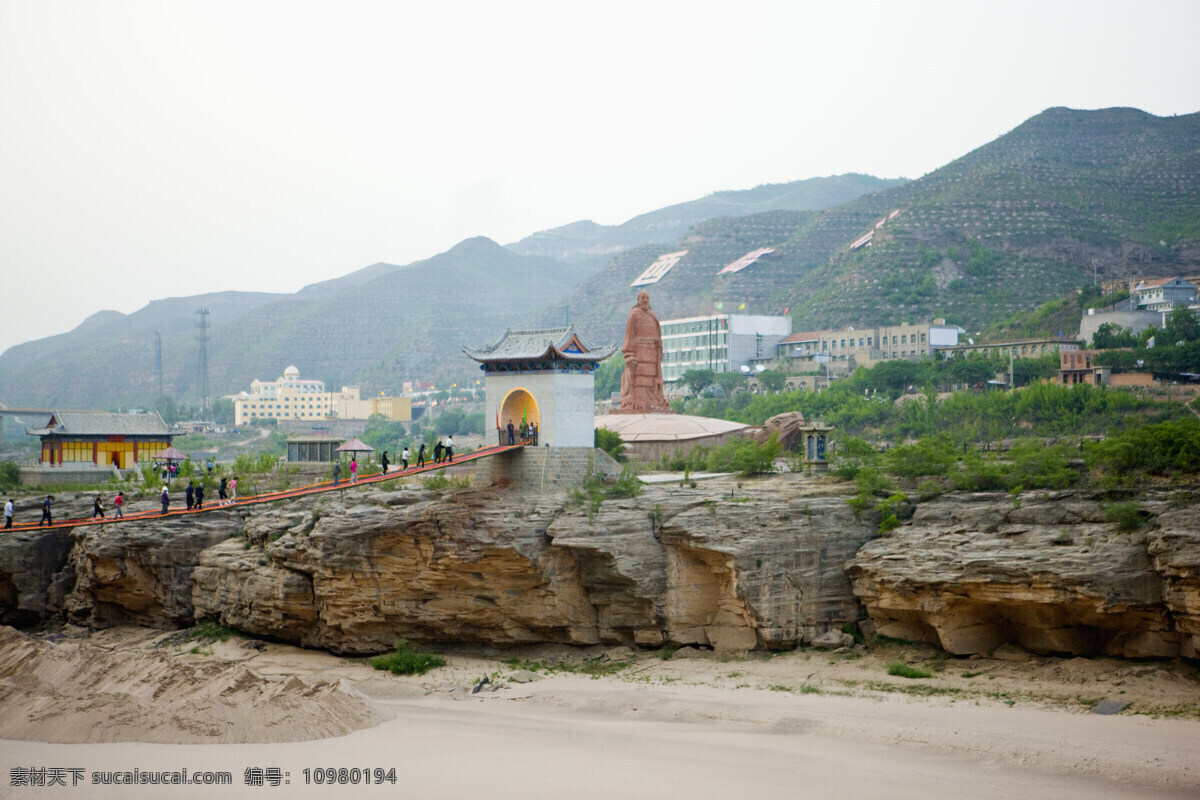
[
  {"x": 355, "y": 446},
  {"x": 538, "y": 345},
  {"x": 81, "y": 423}
]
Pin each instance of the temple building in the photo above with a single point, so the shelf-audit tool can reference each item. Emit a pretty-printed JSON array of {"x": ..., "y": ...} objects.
[
  {"x": 544, "y": 378},
  {"x": 124, "y": 441}
]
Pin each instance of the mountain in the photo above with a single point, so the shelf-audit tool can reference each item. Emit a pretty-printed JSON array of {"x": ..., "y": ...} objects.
[
  {"x": 1013, "y": 224},
  {"x": 376, "y": 327},
  {"x": 591, "y": 243}
]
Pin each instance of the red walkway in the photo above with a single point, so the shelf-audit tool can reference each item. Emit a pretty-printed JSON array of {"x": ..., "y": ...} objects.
[{"x": 313, "y": 488}]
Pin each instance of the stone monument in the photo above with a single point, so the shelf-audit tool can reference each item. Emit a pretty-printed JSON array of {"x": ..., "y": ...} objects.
[{"x": 642, "y": 381}]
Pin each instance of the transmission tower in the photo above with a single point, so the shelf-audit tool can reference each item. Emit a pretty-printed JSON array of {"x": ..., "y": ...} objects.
[
  {"x": 205, "y": 406},
  {"x": 158, "y": 363}
]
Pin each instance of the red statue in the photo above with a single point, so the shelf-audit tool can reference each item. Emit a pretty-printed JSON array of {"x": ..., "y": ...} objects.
[{"x": 642, "y": 382}]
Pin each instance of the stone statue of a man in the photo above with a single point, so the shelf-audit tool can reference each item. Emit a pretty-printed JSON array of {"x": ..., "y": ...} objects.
[{"x": 642, "y": 382}]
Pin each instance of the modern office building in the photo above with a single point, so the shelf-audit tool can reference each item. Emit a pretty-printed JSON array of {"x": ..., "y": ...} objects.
[{"x": 721, "y": 343}]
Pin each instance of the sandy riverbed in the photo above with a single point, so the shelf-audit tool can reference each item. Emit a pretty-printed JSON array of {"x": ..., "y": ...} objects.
[{"x": 802, "y": 724}]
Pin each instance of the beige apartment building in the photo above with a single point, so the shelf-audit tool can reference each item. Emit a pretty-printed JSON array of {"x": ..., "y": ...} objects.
[
  {"x": 292, "y": 398},
  {"x": 846, "y": 348}
]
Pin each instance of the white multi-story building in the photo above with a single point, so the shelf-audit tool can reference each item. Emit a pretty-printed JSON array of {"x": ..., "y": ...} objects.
[
  {"x": 291, "y": 398},
  {"x": 721, "y": 343}
]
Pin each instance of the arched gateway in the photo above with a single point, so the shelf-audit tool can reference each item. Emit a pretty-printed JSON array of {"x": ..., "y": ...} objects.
[{"x": 544, "y": 378}]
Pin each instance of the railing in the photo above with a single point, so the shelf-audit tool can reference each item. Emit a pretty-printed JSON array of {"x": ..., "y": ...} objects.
[{"x": 502, "y": 438}]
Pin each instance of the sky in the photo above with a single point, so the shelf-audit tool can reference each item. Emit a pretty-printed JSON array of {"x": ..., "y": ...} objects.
[{"x": 166, "y": 149}]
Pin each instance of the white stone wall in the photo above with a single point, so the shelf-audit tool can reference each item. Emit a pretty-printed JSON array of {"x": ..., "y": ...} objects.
[{"x": 565, "y": 405}]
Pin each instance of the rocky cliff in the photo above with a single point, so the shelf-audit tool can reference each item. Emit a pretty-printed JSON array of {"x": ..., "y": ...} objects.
[
  {"x": 486, "y": 566},
  {"x": 352, "y": 573},
  {"x": 1049, "y": 572}
]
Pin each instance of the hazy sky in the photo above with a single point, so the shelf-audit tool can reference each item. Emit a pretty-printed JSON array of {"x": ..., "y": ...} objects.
[{"x": 160, "y": 149}]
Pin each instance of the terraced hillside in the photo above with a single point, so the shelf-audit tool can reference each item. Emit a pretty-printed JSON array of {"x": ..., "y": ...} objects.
[
  {"x": 1016, "y": 222},
  {"x": 588, "y": 242}
]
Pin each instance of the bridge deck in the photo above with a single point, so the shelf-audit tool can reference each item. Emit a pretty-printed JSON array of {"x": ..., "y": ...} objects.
[{"x": 214, "y": 505}]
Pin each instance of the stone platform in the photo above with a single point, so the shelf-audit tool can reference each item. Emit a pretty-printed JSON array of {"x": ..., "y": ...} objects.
[{"x": 649, "y": 437}]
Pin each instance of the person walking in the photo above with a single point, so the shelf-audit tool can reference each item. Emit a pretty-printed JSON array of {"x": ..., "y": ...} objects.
[
  {"x": 421, "y": 456},
  {"x": 190, "y": 496},
  {"x": 210, "y": 466},
  {"x": 8, "y": 513},
  {"x": 449, "y": 451},
  {"x": 354, "y": 469},
  {"x": 404, "y": 458},
  {"x": 437, "y": 452},
  {"x": 47, "y": 517},
  {"x": 385, "y": 463},
  {"x": 199, "y": 496},
  {"x": 221, "y": 496},
  {"x": 233, "y": 490},
  {"x": 97, "y": 508},
  {"x": 512, "y": 433},
  {"x": 337, "y": 471},
  {"x": 118, "y": 503},
  {"x": 166, "y": 499}
]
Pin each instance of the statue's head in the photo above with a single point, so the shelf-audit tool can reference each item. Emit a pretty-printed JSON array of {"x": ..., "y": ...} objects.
[{"x": 643, "y": 300}]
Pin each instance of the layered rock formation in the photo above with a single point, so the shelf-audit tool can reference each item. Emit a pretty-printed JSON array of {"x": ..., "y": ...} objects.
[
  {"x": 352, "y": 573},
  {"x": 1049, "y": 573},
  {"x": 494, "y": 567}
]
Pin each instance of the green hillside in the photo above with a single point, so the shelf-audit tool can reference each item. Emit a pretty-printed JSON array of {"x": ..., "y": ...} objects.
[{"x": 1013, "y": 224}]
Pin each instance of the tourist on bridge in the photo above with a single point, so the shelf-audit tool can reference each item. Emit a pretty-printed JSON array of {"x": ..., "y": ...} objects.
[
  {"x": 97, "y": 508},
  {"x": 233, "y": 490},
  {"x": 404, "y": 458},
  {"x": 221, "y": 496},
  {"x": 190, "y": 496},
  {"x": 354, "y": 469},
  {"x": 385, "y": 463},
  {"x": 512, "y": 439},
  {"x": 118, "y": 506},
  {"x": 437, "y": 452},
  {"x": 166, "y": 499},
  {"x": 421, "y": 456},
  {"x": 449, "y": 449},
  {"x": 199, "y": 496},
  {"x": 337, "y": 471},
  {"x": 46, "y": 516},
  {"x": 8, "y": 513}
]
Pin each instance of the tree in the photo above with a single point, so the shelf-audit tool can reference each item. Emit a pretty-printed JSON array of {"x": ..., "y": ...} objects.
[
  {"x": 1182, "y": 326},
  {"x": 730, "y": 382},
  {"x": 1110, "y": 335},
  {"x": 772, "y": 380},
  {"x": 608, "y": 376},
  {"x": 697, "y": 380}
]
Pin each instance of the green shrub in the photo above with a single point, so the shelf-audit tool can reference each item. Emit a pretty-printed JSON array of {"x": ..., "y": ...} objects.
[
  {"x": 403, "y": 660},
  {"x": 10, "y": 474},
  {"x": 611, "y": 443},
  {"x": 902, "y": 670},
  {"x": 932, "y": 456},
  {"x": 1166, "y": 448},
  {"x": 1128, "y": 516},
  {"x": 745, "y": 456}
]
